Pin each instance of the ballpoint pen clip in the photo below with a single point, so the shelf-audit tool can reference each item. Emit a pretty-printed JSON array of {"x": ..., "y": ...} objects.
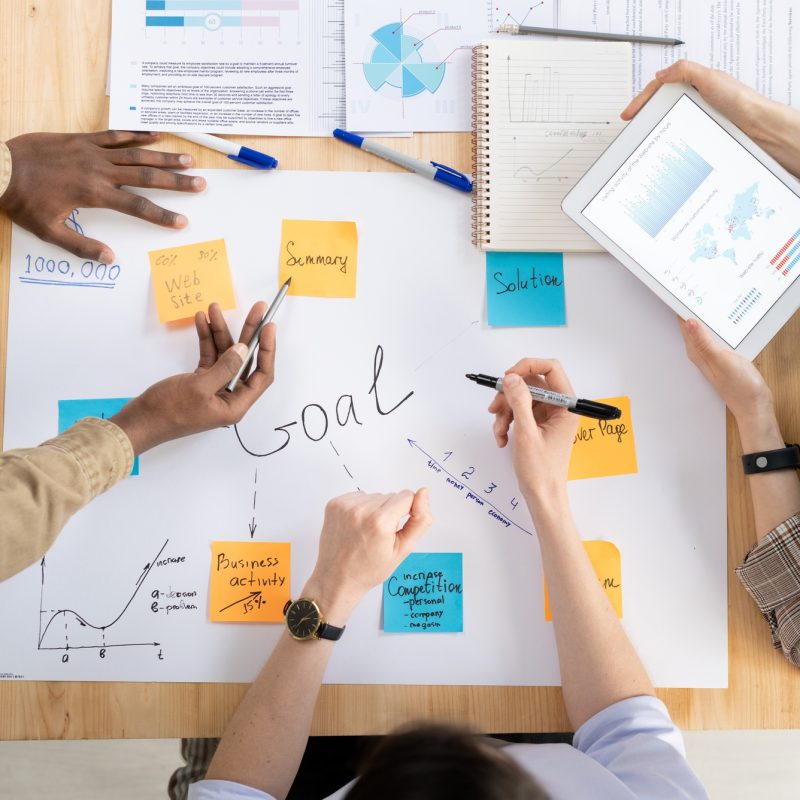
[
  {"x": 252, "y": 158},
  {"x": 450, "y": 170}
]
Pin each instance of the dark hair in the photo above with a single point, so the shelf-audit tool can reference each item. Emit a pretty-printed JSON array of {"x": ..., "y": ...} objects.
[{"x": 440, "y": 762}]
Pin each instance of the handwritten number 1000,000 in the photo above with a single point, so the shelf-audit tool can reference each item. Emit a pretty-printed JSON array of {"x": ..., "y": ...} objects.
[{"x": 89, "y": 270}]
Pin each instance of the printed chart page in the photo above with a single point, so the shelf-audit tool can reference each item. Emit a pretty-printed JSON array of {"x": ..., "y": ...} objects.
[
  {"x": 705, "y": 219},
  {"x": 265, "y": 67},
  {"x": 409, "y": 69},
  {"x": 180, "y": 571},
  {"x": 753, "y": 41}
]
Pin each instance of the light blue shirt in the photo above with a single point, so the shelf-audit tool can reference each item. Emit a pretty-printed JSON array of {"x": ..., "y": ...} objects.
[{"x": 629, "y": 750}]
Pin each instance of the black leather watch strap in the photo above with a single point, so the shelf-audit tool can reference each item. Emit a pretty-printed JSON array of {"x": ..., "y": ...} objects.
[
  {"x": 326, "y": 631},
  {"x": 785, "y": 458}
]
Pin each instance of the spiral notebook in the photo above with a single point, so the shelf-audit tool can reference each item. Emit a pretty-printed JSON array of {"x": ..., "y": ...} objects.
[{"x": 542, "y": 114}]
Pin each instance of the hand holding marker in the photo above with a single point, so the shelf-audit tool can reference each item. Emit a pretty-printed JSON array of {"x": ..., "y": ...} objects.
[{"x": 586, "y": 408}]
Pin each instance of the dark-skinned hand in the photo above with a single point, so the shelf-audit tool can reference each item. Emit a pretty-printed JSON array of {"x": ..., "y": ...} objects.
[{"x": 54, "y": 173}]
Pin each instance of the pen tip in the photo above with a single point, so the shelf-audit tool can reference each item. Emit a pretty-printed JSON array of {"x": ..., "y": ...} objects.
[
  {"x": 288, "y": 281},
  {"x": 470, "y": 376}
]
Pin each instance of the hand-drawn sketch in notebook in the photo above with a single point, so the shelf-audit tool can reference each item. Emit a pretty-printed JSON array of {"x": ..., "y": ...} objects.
[{"x": 543, "y": 112}]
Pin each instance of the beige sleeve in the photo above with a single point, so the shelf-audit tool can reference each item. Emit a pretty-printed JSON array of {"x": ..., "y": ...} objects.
[
  {"x": 5, "y": 168},
  {"x": 42, "y": 487}
]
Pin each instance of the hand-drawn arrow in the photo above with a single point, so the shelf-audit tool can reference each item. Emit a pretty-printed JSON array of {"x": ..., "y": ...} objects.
[
  {"x": 251, "y": 596},
  {"x": 413, "y": 443}
]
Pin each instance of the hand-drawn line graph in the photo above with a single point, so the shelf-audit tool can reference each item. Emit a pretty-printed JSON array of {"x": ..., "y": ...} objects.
[
  {"x": 525, "y": 172},
  {"x": 69, "y": 614},
  {"x": 549, "y": 95},
  {"x": 521, "y": 17}
]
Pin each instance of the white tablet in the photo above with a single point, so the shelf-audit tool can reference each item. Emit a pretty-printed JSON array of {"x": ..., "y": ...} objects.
[{"x": 701, "y": 215}]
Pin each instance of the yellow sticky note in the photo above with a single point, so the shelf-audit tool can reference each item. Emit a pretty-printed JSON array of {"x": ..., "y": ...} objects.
[
  {"x": 188, "y": 278},
  {"x": 249, "y": 581},
  {"x": 608, "y": 568},
  {"x": 604, "y": 448},
  {"x": 321, "y": 257}
]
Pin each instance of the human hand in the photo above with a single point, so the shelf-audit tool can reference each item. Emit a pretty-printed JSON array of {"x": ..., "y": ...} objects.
[
  {"x": 361, "y": 544},
  {"x": 772, "y": 125},
  {"x": 543, "y": 433},
  {"x": 54, "y": 173},
  {"x": 197, "y": 401},
  {"x": 734, "y": 378}
]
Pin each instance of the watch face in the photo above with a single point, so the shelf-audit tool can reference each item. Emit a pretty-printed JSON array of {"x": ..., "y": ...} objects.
[{"x": 303, "y": 619}]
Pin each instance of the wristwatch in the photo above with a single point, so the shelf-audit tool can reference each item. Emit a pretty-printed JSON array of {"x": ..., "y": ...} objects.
[
  {"x": 784, "y": 458},
  {"x": 305, "y": 621}
]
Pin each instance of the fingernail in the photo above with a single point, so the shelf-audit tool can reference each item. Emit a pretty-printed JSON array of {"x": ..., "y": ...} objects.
[
  {"x": 661, "y": 73},
  {"x": 199, "y": 183},
  {"x": 240, "y": 349},
  {"x": 106, "y": 257},
  {"x": 181, "y": 221},
  {"x": 186, "y": 160},
  {"x": 154, "y": 133},
  {"x": 511, "y": 379}
]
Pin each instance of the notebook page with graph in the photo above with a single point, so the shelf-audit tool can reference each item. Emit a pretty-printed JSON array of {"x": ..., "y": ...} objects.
[{"x": 543, "y": 112}]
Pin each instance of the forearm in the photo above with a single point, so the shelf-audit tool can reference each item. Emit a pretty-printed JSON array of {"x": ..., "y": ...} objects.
[
  {"x": 42, "y": 487},
  {"x": 265, "y": 740},
  {"x": 775, "y": 495},
  {"x": 776, "y": 128},
  {"x": 598, "y": 664}
]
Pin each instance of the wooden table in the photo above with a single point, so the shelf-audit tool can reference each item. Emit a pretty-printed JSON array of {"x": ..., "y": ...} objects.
[{"x": 53, "y": 57}]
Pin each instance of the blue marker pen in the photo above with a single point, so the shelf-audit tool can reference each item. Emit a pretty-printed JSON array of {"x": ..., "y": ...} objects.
[
  {"x": 432, "y": 170},
  {"x": 236, "y": 152}
]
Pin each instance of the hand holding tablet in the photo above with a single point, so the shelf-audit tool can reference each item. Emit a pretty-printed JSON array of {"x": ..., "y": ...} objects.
[{"x": 700, "y": 214}]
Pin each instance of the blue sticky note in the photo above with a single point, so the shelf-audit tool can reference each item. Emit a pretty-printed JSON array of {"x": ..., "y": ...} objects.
[
  {"x": 70, "y": 411},
  {"x": 525, "y": 289},
  {"x": 425, "y": 595}
]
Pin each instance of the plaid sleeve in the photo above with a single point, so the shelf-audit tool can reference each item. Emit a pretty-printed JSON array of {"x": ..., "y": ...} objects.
[{"x": 771, "y": 574}]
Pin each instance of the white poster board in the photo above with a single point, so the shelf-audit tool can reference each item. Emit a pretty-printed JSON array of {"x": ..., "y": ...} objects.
[{"x": 420, "y": 297}]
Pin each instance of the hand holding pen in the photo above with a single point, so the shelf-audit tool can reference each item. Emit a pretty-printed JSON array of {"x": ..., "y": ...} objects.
[{"x": 543, "y": 433}]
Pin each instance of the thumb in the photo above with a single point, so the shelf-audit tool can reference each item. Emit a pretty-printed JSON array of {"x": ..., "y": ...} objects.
[
  {"x": 225, "y": 367},
  {"x": 699, "y": 346},
  {"x": 419, "y": 520},
  {"x": 519, "y": 398}
]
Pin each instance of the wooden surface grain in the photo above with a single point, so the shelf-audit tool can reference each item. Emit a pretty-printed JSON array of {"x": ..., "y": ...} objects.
[{"x": 53, "y": 57}]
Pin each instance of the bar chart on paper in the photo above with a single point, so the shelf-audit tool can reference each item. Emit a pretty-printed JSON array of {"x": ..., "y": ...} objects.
[{"x": 213, "y": 15}]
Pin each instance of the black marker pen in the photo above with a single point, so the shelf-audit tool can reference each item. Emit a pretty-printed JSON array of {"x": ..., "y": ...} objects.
[{"x": 586, "y": 408}]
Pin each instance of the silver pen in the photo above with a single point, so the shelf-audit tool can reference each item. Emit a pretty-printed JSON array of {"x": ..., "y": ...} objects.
[
  {"x": 605, "y": 37},
  {"x": 253, "y": 344}
]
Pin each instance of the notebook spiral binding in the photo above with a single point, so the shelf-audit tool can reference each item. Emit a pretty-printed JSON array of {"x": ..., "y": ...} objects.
[{"x": 481, "y": 194}]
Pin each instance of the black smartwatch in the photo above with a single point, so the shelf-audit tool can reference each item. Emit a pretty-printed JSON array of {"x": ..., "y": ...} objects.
[{"x": 785, "y": 458}]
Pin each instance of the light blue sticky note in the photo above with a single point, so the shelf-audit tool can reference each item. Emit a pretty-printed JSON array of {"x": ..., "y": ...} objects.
[
  {"x": 525, "y": 289},
  {"x": 425, "y": 595},
  {"x": 70, "y": 411}
]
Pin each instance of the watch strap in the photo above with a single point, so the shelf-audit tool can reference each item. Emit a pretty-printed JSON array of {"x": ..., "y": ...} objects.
[
  {"x": 768, "y": 460},
  {"x": 331, "y": 632}
]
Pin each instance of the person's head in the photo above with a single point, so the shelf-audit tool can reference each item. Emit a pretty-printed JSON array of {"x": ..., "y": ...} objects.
[{"x": 439, "y": 762}]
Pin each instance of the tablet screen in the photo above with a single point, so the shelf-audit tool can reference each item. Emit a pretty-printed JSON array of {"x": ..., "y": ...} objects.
[{"x": 706, "y": 219}]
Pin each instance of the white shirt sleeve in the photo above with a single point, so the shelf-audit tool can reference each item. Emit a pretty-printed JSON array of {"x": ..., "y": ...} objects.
[
  {"x": 225, "y": 790},
  {"x": 639, "y": 744}
]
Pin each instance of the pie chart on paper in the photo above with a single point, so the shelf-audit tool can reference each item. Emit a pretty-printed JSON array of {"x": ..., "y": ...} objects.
[{"x": 397, "y": 61}]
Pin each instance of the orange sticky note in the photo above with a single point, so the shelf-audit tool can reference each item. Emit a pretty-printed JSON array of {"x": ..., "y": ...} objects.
[
  {"x": 321, "y": 257},
  {"x": 249, "y": 581},
  {"x": 187, "y": 279},
  {"x": 604, "y": 448},
  {"x": 607, "y": 565}
]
